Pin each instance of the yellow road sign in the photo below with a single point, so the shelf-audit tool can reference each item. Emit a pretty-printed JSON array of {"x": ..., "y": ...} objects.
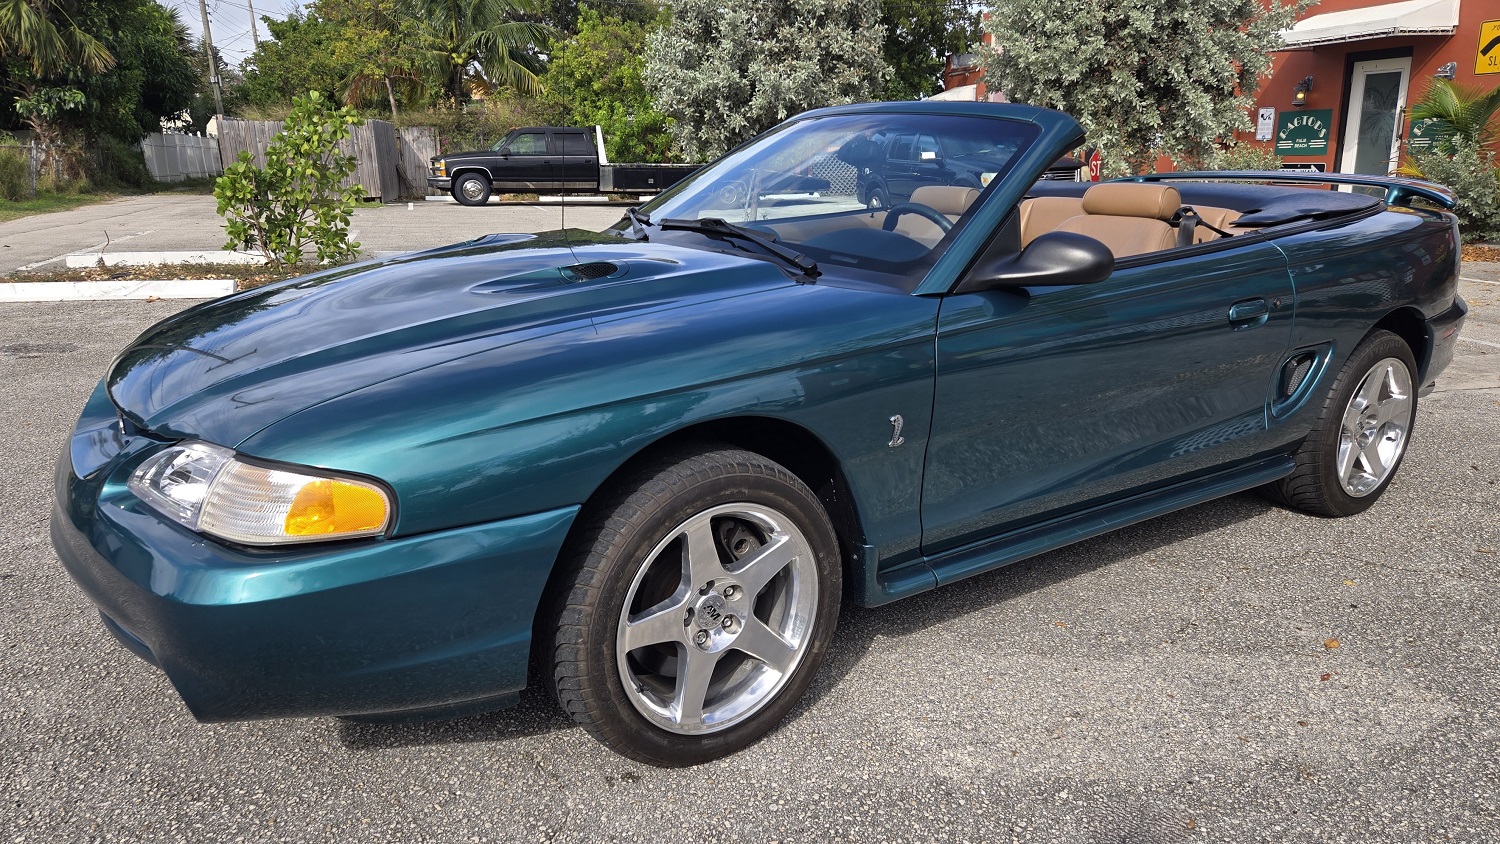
[{"x": 1487, "y": 60}]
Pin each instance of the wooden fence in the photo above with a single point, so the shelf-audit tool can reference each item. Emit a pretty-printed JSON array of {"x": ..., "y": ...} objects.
[{"x": 389, "y": 164}]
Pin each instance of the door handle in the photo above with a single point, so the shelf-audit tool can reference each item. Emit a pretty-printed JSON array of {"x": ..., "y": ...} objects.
[{"x": 1249, "y": 313}]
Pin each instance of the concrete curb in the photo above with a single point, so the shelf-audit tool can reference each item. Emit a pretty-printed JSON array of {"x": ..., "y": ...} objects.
[
  {"x": 152, "y": 259},
  {"x": 90, "y": 291}
]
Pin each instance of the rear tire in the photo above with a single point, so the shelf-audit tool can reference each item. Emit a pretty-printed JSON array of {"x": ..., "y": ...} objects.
[
  {"x": 1361, "y": 434},
  {"x": 701, "y": 600},
  {"x": 471, "y": 189}
]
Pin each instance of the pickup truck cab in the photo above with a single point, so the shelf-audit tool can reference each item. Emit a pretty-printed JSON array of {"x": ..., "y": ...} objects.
[{"x": 547, "y": 160}]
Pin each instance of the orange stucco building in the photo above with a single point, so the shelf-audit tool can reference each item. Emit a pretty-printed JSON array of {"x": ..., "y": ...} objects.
[{"x": 1339, "y": 91}]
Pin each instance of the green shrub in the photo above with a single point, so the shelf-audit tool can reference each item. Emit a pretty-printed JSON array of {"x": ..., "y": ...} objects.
[
  {"x": 15, "y": 173},
  {"x": 1245, "y": 157},
  {"x": 480, "y": 124},
  {"x": 298, "y": 200},
  {"x": 116, "y": 164},
  {"x": 1474, "y": 175}
]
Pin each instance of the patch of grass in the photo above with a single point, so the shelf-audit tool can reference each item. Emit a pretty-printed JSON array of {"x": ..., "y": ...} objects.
[{"x": 46, "y": 202}]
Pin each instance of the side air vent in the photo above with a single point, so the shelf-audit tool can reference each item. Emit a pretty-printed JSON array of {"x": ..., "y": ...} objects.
[
  {"x": 590, "y": 271},
  {"x": 1294, "y": 372}
]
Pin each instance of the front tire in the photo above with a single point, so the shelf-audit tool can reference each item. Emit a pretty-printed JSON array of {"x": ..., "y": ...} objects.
[
  {"x": 471, "y": 189},
  {"x": 1361, "y": 435},
  {"x": 701, "y": 600}
]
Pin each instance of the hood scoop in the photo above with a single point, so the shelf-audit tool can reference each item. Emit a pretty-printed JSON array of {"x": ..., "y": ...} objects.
[
  {"x": 553, "y": 277},
  {"x": 591, "y": 271}
]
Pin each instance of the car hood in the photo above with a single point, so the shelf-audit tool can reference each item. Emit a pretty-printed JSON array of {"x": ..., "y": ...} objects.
[{"x": 226, "y": 369}]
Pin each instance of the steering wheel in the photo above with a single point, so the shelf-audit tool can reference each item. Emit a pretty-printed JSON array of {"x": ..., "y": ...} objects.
[{"x": 895, "y": 212}]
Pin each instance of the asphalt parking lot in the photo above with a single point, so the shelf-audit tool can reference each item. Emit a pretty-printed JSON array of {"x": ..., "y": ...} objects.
[
  {"x": 1173, "y": 682},
  {"x": 188, "y": 223}
]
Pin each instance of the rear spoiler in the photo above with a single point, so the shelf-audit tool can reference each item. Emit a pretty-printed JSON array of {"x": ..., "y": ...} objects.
[{"x": 1398, "y": 191}]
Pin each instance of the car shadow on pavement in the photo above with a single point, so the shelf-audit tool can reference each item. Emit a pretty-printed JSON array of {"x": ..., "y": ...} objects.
[
  {"x": 859, "y": 627},
  {"x": 537, "y": 713}
]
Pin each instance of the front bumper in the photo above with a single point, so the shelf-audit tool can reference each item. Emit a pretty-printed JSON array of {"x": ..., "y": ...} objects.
[
  {"x": 412, "y": 624},
  {"x": 1443, "y": 330},
  {"x": 444, "y": 184}
]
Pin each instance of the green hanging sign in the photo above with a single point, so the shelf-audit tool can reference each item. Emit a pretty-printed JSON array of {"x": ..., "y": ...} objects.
[
  {"x": 1423, "y": 134},
  {"x": 1304, "y": 132}
]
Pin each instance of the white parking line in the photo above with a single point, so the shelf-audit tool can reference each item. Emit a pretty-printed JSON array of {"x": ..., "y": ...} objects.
[
  {"x": 1476, "y": 280},
  {"x": 106, "y": 242},
  {"x": 1481, "y": 342}
]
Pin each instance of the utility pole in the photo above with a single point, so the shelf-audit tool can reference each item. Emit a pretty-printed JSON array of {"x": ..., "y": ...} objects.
[
  {"x": 213, "y": 61},
  {"x": 254, "y": 33}
]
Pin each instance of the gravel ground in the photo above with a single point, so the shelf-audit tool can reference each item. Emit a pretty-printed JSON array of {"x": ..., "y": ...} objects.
[{"x": 1174, "y": 681}]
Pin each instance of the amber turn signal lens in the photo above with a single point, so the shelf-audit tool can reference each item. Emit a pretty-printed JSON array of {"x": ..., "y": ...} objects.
[{"x": 334, "y": 507}]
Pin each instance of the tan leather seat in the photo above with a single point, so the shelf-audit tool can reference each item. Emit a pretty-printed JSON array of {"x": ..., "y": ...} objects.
[
  {"x": 1044, "y": 214},
  {"x": 948, "y": 200},
  {"x": 1128, "y": 217},
  {"x": 1221, "y": 218}
]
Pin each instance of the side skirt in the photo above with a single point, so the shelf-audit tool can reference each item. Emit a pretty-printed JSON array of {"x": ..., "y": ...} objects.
[{"x": 1015, "y": 546}]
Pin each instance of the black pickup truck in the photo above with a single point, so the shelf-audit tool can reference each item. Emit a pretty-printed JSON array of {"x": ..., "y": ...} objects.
[{"x": 547, "y": 159}]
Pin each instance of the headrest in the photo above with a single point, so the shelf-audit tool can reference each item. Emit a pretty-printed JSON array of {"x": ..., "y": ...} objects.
[
  {"x": 1132, "y": 199},
  {"x": 947, "y": 200}
]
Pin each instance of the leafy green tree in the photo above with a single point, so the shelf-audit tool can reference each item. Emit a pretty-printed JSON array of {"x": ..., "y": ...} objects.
[
  {"x": 44, "y": 53},
  {"x": 1464, "y": 113},
  {"x": 726, "y": 72},
  {"x": 596, "y": 77},
  {"x": 44, "y": 36},
  {"x": 300, "y": 56},
  {"x": 919, "y": 34},
  {"x": 1142, "y": 76},
  {"x": 154, "y": 76},
  {"x": 298, "y": 200},
  {"x": 470, "y": 46}
]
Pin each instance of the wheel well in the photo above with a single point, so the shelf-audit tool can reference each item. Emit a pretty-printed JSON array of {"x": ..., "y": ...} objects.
[
  {"x": 478, "y": 171},
  {"x": 791, "y": 445},
  {"x": 1409, "y": 325}
]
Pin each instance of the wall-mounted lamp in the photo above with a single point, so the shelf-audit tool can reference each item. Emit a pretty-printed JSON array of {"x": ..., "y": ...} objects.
[
  {"x": 1299, "y": 93},
  {"x": 1447, "y": 71}
]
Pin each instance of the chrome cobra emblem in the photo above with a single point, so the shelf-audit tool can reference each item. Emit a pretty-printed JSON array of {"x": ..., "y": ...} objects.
[{"x": 896, "y": 438}]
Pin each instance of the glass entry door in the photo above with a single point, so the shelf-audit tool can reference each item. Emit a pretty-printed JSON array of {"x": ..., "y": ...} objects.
[{"x": 1377, "y": 109}]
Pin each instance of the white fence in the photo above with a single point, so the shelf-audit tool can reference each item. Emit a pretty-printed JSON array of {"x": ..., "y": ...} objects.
[{"x": 172, "y": 158}]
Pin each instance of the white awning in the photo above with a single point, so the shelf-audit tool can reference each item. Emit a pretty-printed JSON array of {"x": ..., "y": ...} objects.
[
  {"x": 965, "y": 93},
  {"x": 1411, "y": 17}
]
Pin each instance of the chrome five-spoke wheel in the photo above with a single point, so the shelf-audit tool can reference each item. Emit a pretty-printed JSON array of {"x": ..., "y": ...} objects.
[
  {"x": 1373, "y": 436},
  {"x": 1355, "y": 445},
  {"x": 701, "y": 596},
  {"x": 717, "y": 618}
]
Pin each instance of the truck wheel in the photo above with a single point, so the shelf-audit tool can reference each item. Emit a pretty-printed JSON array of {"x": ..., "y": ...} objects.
[
  {"x": 471, "y": 189},
  {"x": 878, "y": 199},
  {"x": 1356, "y": 446},
  {"x": 700, "y": 602}
]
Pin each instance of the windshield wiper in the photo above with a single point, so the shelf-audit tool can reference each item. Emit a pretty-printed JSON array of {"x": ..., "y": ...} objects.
[
  {"x": 638, "y": 222},
  {"x": 715, "y": 225}
]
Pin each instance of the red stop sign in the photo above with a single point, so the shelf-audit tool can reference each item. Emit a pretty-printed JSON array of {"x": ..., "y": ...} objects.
[{"x": 1096, "y": 163}]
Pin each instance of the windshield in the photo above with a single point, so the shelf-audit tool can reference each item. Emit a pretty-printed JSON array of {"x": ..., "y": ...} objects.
[{"x": 878, "y": 195}]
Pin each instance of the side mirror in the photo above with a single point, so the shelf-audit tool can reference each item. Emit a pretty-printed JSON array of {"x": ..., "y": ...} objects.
[
  {"x": 1055, "y": 258},
  {"x": 505, "y": 152}
]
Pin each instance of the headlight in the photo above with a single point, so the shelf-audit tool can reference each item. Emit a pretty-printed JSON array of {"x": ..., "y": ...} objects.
[
  {"x": 208, "y": 489},
  {"x": 440, "y": 168}
]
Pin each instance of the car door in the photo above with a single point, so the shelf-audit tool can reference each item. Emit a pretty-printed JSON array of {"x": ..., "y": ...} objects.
[
  {"x": 1052, "y": 400},
  {"x": 901, "y": 168},
  {"x": 580, "y": 163},
  {"x": 529, "y": 164}
]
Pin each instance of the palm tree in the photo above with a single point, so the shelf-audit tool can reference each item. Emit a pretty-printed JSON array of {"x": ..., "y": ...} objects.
[
  {"x": 476, "y": 46},
  {"x": 1465, "y": 113},
  {"x": 28, "y": 32}
]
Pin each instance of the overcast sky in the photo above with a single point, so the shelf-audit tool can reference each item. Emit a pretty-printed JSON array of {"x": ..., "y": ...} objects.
[{"x": 230, "y": 22}]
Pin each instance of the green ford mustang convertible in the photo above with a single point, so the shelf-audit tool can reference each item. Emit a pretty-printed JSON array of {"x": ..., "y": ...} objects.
[{"x": 645, "y": 467}]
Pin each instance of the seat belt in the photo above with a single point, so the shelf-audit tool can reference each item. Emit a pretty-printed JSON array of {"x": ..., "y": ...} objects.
[{"x": 1186, "y": 220}]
